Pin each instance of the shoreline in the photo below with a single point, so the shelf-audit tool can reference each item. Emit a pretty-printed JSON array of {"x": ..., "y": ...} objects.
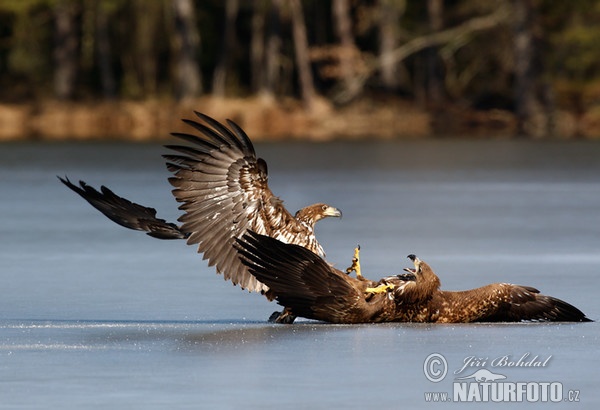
[{"x": 264, "y": 119}]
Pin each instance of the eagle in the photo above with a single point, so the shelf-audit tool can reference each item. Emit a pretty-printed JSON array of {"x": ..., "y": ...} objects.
[
  {"x": 312, "y": 288},
  {"x": 223, "y": 190}
]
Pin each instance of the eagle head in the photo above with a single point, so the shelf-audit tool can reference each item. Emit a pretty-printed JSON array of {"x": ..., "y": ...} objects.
[
  {"x": 417, "y": 262},
  {"x": 313, "y": 213}
]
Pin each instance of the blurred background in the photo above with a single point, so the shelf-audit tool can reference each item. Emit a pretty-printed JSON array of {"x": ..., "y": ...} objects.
[{"x": 130, "y": 69}]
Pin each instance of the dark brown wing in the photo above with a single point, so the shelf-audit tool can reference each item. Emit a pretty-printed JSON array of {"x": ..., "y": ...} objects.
[
  {"x": 516, "y": 303},
  {"x": 125, "y": 212},
  {"x": 224, "y": 190},
  {"x": 302, "y": 280}
]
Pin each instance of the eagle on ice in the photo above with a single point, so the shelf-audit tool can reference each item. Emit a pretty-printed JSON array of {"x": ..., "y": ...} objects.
[
  {"x": 223, "y": 190},
  {"x": 245, "y": 231},
  {"x": 309, "y": 287}
]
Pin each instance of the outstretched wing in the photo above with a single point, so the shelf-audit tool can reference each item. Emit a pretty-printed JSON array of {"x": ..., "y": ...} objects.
[
  {"x": 125, "y": 212},
  {"x": 300, "y": 279},
  {"x": 516, "y": 303},
  {"x": 224, "y": 192}
]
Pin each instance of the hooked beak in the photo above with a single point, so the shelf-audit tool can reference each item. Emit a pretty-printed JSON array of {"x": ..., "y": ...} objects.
[
  {"x": 331, "y": 211},
  {"x": 416, "y": 261}
]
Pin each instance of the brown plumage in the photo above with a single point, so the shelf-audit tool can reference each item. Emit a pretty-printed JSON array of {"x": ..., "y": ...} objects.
[
  {"x": 310, "y": 287},
  {"x": 223, "y": 188},
  {"x": 126, "y": 213}
]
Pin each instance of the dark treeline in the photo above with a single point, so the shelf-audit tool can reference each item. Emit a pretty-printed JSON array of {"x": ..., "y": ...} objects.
[{"x": 533, "y": 58}]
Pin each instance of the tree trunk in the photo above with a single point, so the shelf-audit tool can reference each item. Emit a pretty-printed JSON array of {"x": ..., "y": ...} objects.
[
  {"x": 148, "y": 15},
  {"x": 435, "y": 77},
  {"x": 104, "y": 53},
  {"x": 343, "y": 29},
  {"x": 389, "y": 17},
  {"x": 307, "y": 88},
  {"x": 188, "y": 79},
  {"x": 272, "y": 64},
  {"x": 533, "y": 99},
  {"x": 257, "y": 46},
  {"x": 66, "y": 51},
  {"x": 524, "y": 75},
  {"x": 228, "y": 47}
]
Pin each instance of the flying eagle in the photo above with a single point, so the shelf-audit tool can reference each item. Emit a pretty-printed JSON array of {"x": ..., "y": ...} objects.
[
  {"x": 310, "y": 287},
  {"x": 223, "y": 190}
]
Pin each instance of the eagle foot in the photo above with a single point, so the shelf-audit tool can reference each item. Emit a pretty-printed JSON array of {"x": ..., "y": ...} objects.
[
  {"x": 355, "y": 267},
  {"x": 285, "y": 317},
  {"x": 380, "y": 289}
]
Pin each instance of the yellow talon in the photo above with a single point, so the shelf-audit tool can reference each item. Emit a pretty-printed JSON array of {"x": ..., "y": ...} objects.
[
  {"x": 355, "y": 267},
  {"x": 380, "y": 289}
]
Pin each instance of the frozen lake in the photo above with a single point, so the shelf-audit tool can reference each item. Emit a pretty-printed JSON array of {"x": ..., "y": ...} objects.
[{"x": 96, "y": 316}]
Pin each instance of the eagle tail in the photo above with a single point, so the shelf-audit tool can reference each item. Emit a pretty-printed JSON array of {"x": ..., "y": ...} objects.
[{"x": 126, "y": 213}]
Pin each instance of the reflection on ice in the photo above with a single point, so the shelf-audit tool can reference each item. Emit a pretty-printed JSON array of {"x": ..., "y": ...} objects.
[{"x": 207, "y": 335}]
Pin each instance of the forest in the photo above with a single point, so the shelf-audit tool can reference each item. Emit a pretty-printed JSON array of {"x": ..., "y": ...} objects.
[{"x": 320, "y": 69}]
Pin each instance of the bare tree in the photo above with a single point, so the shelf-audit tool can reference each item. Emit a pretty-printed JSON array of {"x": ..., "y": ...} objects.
[
  {"x": 66, "y": 51},
  {"x": 533, "y": 99},
  {"x": 349, "y": 56},
  {"x": 307, "y": 88},
  {"x": 458, "y": 34},
  {"x": 188, "y": 79},
  {"x": 272, "y": 63},
  {"x": 227, "y": 48},
  {"x": 390, "y": 12},
  {"x": 435, "y": 80},
  {"x": 343, "y": 29}
]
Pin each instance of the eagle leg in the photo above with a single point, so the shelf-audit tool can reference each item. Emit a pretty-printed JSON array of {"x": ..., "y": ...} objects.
[
  {"x": 380, "y": 289},
  {"x": 286, "y": 317},
  {"x": 355, "y": 267}
]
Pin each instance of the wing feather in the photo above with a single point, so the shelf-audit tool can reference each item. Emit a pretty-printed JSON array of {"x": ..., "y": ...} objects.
[
  {"x": 301, "y": 280},
  {"x": 504, "y": 302},
  {"x": 126, "y": 213},
  {"x": 207, "y": 132},
  {"x": 225, "y": 133},
  {"x": 223, "y": 190},
  {"x": 200, "y": 143}
]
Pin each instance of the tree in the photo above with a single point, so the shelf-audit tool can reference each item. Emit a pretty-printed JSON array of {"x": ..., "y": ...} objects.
[
  {"x": 271, "y": 64},
  {"x": 347, "y": 52},
  {"x": 532, "y": 98},
  {"x": 307, "y": 88},
  {"x": 458, "y": 34},
  {"x": 104, "y": 52},
  {"x": 143, "y": 68},
  {"x": 526, "y": 56},
  {"x": 389, "y": 20},
  {"x": 227, "y": 48},
  {"x": 66, "y": 51},
  {"x": 257, "y": 46},
  {"x": 435, "y": 80},
  {"x": 188, "y": 79}
]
